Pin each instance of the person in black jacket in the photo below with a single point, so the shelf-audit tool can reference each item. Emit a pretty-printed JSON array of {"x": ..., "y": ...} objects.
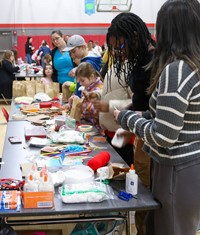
[
  {"x": 7, "y": 70},
  {"x": 130, "y": 43},
  {"x": 29, "y": 50}
]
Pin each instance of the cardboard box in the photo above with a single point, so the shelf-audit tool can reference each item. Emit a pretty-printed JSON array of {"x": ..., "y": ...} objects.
[{"x": 38, "y": 199}]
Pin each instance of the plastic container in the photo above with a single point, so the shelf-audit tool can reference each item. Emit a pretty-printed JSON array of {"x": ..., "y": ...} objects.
[
  {"x": 30, "y": 185},
  {"x": 79, "y": 174},
  {"x": 46, "y": 185},
  {"x": 132, "y": 181}
]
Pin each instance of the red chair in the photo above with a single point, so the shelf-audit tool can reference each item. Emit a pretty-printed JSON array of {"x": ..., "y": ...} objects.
[{"x": 5, "y": 113}]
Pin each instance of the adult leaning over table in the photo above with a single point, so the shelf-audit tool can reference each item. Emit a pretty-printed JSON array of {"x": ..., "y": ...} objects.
[
  {"x": 61, "y": 60},
  {"x": 7, "y": 70}
]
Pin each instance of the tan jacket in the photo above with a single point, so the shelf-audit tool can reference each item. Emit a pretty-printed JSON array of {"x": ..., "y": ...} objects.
[{"x": 118, "y": 97}]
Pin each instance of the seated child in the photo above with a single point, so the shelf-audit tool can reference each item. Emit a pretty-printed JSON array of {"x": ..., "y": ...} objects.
[
  {"x": 90, "y": 80},
  {"x": 47, "y": 72}
]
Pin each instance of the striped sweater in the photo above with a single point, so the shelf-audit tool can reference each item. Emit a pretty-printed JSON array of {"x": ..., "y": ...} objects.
[{"x": 172, "y": 132}]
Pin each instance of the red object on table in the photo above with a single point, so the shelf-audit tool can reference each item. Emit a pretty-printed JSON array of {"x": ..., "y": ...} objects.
[
  {"x": 45, "y": 105},
  {"x": 99, "y": 160}
]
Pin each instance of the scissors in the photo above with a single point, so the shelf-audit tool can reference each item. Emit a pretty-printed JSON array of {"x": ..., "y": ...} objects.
[{"x": 125, "y": 196}]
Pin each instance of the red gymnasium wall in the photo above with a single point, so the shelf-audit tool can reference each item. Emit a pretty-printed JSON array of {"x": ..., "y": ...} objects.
[{"x": 21, "y": 40}]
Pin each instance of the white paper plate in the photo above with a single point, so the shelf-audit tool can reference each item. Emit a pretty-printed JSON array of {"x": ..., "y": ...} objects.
[{"x": 79, "y": 174}]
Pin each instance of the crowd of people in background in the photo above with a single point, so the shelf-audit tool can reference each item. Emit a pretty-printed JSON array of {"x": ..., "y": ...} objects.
[{"x": 62, "y": 63}]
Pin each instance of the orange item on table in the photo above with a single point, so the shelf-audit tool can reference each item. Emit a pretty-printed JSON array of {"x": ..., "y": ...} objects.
[
  {"x": 8, "y": 199},
  {"x": 38, "y": 199},
  {"x": 30, "y": 108}
]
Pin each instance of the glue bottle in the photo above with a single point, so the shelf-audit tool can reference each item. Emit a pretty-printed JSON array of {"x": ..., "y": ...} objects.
[
  {"x": 46, "y": 185},
  {"x": 132, "y": 181},
  {"x": 30, "y": 185}
]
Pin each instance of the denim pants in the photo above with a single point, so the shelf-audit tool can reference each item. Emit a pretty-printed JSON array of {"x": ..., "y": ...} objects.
[{"x": 28, "y": 58}]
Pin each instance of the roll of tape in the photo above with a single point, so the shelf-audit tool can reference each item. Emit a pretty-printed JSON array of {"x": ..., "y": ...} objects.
[{"x": 85, "y": 128}]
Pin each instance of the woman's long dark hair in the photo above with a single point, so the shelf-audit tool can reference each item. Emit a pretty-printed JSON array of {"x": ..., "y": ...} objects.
[
  {"x": 178, "y": 36},
  {"x": 137, "y": 37}
]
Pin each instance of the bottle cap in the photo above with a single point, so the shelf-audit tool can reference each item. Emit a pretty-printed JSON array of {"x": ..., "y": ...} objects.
[
  {"x": 132, "y": 167},
  {"x": 45, "y": 178},
  {"x": 132, "y": 170},
  {"x": 31, "y": 177},
  {"x": 41, "y": 174}
]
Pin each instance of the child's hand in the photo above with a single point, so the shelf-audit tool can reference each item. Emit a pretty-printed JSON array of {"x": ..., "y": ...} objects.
[
  {"x": 67, "y": 107},
  {"x": 70, "y": 100},
  {"x": 92, "y": 96},
  {"x": 66, "y": 84},
  {"x": 85, "y": 94}
]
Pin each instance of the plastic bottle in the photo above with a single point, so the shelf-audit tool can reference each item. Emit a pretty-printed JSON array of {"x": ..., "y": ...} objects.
[
  {"x": 30, "y": 185},
  {"x": 46, "y": 185},
  {"x": 132, "y": 181},
  {"x": 41, "y": 175}
]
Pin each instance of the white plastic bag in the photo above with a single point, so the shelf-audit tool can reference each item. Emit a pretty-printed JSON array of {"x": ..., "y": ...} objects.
[{"x": 86, "y": 192}]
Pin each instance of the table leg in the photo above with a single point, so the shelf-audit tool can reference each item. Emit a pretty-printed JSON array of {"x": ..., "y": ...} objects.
[{"x": 128, "y": 223}]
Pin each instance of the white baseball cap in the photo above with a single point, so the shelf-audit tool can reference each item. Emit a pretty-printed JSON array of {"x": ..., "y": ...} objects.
[{"x": 74, "y": 41}]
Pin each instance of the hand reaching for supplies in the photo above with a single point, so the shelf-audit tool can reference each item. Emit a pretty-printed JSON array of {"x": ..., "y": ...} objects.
[{"x": 92, "y": 96}]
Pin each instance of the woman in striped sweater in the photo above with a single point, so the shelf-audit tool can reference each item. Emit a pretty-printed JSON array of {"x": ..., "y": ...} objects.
[{"x": 171, "y": 128}]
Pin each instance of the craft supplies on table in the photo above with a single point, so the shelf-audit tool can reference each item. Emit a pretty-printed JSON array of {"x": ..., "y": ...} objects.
[
  {"x": 10, "y": 200},
  {"x": 99, "y": 160},
  {"x": 86, "y": 192}
]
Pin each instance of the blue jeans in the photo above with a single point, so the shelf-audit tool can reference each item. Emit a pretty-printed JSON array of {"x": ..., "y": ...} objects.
[{"x": 28, "y": 58}]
